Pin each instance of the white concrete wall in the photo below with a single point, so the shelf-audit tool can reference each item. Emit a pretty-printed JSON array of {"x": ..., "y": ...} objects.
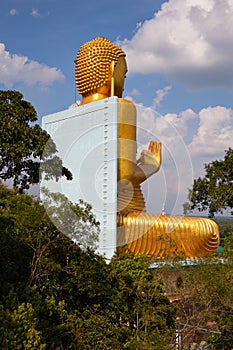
[{"x": 86, "y": 139}]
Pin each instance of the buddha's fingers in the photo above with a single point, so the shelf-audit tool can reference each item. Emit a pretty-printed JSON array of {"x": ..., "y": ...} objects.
[{"x": 155, "y": 147}]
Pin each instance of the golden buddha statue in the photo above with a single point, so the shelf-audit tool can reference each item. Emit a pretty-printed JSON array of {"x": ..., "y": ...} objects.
[{"x": 100, "y": 73}]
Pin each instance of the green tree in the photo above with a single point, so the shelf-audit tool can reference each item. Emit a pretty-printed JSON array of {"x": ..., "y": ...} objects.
[
  {"x": 18, "y": 329},
  {"x": 213, "y": 192},
  {"x": 57, "y": 295},
  {"x": 225, "y": 225},
  {"x": 145, "y": 310},
  {"x": 26, "y": 227},
  {"x": 74, "y": 220},
  {"x": 42, "y": 267},
  {"x": 205, "y": 303},
  {"x": 22, "y": 145}
]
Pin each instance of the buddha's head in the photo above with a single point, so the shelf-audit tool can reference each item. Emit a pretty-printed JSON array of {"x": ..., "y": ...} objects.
[{"x": 100, "y": 69}]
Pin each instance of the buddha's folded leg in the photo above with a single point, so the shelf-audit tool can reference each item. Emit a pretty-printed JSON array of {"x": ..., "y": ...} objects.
[{"x": 161, "y": 236}]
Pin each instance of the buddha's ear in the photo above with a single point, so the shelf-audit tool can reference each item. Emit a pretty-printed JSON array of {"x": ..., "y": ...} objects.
[{"x": 112, "y": 68}]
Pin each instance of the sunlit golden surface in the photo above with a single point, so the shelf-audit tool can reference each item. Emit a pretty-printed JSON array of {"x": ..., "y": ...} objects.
[
  {"x": 93, "y": 66},
  {"x": 100, "y": 73},
  {"x": 165, "y": 236}
]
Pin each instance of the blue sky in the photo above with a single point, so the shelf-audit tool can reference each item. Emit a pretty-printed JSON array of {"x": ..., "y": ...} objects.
[{"x": 180, "y": 73}]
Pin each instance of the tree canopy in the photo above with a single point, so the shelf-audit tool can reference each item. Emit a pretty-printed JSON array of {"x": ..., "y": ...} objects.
[
  {"x": 205, "y": 309},
  {"x": 22, "y": 146},
  {"x": 213, "y": 192},
  {"x": 56, "y": 295}
]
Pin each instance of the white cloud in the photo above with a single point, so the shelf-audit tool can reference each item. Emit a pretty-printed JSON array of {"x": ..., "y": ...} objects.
[
  {"x": 213, "y": 135},
  {"x": 13, "y": 12},
  {"x": 179, "y": 121},
  {"x": 135, "y": 92},
  {"x": 15, "y": 68},
  {"x": 160, "y": 94},
  {"x": 215, "y": 132},
  {"x": 35, "y": 13},
  {"x": 189, "y": 41}
]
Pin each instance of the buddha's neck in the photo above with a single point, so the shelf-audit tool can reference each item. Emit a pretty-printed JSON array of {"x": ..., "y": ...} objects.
[{"x": 93, "y": 98}]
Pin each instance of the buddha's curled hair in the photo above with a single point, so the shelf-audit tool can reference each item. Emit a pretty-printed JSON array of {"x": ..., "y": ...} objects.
[{"x": 93, "y": 63}]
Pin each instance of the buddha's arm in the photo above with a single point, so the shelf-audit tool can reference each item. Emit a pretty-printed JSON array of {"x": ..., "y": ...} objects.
[{"x": 149, "y": 162}]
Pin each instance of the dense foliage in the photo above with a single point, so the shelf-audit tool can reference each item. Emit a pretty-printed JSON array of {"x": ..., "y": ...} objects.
[
  {"x": 205, "y": 309},
  {"x": 214, "y": 192},
  {"x": 25, "y": 148},
  {"x": 55, "y": 295}
]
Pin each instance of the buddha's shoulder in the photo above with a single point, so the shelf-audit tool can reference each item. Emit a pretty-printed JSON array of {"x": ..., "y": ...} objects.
[
  {"x": 126, "y": 104},
  {"x": 126, "y": 107},
  {"x": 125, "y": 100}
]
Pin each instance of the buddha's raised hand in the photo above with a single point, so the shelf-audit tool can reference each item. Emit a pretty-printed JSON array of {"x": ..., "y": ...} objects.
[{"x": 152, "y": 156}]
